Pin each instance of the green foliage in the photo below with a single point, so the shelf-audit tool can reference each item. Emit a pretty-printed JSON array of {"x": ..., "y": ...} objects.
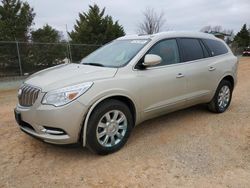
[
  {"x": 46, "y": 34},
  {"x": 243, "y": 37},
  {"x": 94, "y": 28},
  {"x": 43, "y": 53},
  {"x": 37, "y": 48},
  {"x": 16, "y": 18}
]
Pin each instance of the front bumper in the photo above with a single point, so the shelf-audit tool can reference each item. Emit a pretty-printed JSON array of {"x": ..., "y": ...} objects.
[{"x": 56, "y": 125}]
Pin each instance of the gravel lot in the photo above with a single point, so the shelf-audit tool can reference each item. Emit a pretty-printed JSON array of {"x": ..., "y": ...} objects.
[{"x": 188, "y": 148}]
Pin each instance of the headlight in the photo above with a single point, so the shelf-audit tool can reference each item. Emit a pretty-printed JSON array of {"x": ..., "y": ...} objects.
[{"x": 65, "y": 95}]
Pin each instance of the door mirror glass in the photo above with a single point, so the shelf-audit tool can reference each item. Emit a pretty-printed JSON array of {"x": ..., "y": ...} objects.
[{"x": 151, "y": 60}]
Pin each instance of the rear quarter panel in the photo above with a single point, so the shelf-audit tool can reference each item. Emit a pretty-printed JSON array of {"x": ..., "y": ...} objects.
[{"x": 226, "y": 65}]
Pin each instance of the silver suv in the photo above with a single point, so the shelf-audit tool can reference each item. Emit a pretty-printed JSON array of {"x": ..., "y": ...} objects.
[{"x": 133, "y": 78}]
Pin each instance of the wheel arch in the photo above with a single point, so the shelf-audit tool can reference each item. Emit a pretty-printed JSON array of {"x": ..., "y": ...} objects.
[
  {"x": 123, "y": 98},
  {"x": 229, "y": 78}
]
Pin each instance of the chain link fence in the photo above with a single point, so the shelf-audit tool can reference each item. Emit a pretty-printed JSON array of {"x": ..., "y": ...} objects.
[{"x": 25, "y": 58}]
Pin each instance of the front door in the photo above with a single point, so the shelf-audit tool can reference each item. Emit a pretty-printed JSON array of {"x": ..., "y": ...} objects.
[{"x": 164, "y": 86}]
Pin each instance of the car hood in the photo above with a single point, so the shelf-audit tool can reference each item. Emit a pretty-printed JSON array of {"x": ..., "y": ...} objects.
[{"x": 67, "y": 75}]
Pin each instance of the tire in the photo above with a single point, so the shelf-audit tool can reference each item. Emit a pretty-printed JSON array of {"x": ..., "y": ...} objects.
[
  {"x": 107, "y": 135},
  {"x": 216, "y": 105}
]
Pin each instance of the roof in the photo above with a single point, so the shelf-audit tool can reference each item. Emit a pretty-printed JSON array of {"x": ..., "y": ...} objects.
[{"x": 170, "y": 34}]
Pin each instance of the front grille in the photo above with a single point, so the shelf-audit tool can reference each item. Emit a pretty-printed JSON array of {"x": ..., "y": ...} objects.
[{"x": 27, "y": 95}]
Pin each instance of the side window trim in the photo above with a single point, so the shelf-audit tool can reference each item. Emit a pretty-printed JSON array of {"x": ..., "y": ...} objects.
[{"x": 179, "y": 49}]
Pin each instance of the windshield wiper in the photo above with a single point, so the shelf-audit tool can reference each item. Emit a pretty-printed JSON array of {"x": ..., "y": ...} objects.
[{"x": 94, "y": 64}]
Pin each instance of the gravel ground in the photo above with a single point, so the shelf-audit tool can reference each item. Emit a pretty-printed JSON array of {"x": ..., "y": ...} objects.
[{"x": 188, "y": 148}]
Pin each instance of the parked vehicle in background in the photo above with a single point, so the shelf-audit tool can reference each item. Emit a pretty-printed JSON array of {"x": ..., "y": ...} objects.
[
  {"x": 132, "y": 79},
  {"x": 246, "y": 51}
]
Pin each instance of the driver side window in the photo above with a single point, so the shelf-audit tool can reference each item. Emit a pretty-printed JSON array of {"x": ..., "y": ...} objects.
[{"x": 167, "y": 50}]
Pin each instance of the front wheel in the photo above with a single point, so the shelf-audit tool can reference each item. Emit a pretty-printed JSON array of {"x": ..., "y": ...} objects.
[
  {"x": 222, "y": 97},
  {"x": 109, "y": 127}
]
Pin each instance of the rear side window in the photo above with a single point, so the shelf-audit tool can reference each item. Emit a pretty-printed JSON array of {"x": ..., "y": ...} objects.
[
  {"x": 191, "y": 49},
  {"x": 216, "y": 47}
]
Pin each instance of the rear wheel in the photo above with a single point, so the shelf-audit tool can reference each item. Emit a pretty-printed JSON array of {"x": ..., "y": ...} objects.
[
  {"x": 109, "y": 127},
  {"x": 222, "y": 97}
]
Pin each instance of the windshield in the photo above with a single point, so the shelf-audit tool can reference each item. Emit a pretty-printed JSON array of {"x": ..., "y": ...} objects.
[{"x": 115, "y": 54}]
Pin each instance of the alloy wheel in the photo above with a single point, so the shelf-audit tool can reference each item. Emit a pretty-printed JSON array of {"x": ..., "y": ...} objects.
[{"x": 111, "y": 128}]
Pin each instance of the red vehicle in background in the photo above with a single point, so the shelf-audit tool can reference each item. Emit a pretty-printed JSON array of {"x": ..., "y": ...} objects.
[{"x": 246, "y": 51}]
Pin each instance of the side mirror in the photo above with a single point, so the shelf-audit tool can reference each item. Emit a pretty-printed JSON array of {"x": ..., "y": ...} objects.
[{"x": 151, "y": 60}]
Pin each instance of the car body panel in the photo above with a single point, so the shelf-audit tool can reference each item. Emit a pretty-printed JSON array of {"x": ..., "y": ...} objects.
[
  {"x": 154, "y": 91},
  {"x": 69, "y": 118},
  {"x": 66, "y": 74}
]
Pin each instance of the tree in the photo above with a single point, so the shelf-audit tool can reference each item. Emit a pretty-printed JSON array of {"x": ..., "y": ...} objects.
[
  {"x": 46, "y": 49},
  {"x": 152, "y": 22},
  {"x": 216, "y": 28},
  {"x": 46, "y": 34},
  {"x": 242, "y": 38},
  {"x": 93, "y": 27},
  {"x": 16, "y": 18}
]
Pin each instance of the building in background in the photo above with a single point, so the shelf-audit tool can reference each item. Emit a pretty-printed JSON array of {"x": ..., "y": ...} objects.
[{"x": 220, "y": 35}]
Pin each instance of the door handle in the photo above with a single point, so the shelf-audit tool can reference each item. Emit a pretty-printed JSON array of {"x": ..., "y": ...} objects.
[
  {"x": 211, "y": 68},
  {"x": 179, "y": 75}
]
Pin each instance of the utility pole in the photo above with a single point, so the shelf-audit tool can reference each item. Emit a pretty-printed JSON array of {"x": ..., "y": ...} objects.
[
  {"x": 68, "y": 46},
  {"x": 19, "y": 58}
]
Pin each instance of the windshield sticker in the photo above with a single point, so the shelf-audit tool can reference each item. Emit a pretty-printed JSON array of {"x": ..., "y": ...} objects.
[{"x": 139, "y": 41}]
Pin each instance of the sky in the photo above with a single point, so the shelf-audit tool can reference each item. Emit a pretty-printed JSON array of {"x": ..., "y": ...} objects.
[{"x": 188, "y": 15}]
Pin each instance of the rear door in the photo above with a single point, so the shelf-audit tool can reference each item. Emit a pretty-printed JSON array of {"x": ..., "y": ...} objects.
[{"x": 199, "y": 69}]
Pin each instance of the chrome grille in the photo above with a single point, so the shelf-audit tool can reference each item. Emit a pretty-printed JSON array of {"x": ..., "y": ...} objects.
[{"x": 27, "y": 95}]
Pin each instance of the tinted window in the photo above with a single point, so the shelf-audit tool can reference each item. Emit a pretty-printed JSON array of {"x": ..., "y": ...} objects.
[
  {"x": 216, "y": 47},
  {"x": 191, "y": 49},
  {"x": 205, "y": 52},
  {"x": 167, "y": 50}
]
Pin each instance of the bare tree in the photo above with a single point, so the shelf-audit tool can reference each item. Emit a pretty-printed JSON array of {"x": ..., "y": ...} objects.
[
  {"x": 209, "y": 29},
  {"x": 152, "y": 22},
  {"x": 206, "y": 29},
  {"x": 229, "y": 32},
  {"x": 217, "y": 28}
]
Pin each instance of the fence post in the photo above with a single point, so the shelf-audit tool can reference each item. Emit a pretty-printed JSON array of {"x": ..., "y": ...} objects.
[
  {"x": 19, "y": 59},
  {"x": 70, "y": 55}
]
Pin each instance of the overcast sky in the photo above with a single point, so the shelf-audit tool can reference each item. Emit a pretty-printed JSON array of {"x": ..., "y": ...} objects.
[{"x": 180, "y": 14}]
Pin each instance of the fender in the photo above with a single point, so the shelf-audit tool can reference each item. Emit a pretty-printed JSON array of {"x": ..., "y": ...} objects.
[
  {"x": 225, "y": 75},
  {"x": 221, "y": 78}
]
